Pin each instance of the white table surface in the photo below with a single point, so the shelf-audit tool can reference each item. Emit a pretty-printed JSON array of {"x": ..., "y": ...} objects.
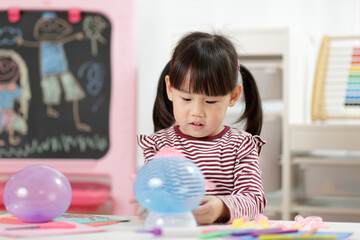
[{"x": 126, "y": 230}]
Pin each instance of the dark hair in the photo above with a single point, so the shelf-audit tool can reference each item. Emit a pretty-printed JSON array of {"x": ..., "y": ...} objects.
[{"x": 211, "y": 62}]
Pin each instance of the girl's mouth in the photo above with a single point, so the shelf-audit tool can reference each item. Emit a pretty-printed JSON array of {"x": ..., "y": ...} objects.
[{"x": 197, "y": 125}]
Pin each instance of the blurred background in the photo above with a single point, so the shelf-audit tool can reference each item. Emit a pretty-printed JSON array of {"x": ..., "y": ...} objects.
[{"x": 160, "y": 21}]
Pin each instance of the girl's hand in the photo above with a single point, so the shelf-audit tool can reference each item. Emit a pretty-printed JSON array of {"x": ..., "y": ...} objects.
[
  {"x": 210, "y": 210},
  {"x": 140, "y": 211}
]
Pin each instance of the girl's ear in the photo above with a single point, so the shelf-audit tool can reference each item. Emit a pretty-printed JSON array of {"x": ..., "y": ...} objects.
[
  {"x": 235, "y": 94},
  {"x": 168, "y": 88}
]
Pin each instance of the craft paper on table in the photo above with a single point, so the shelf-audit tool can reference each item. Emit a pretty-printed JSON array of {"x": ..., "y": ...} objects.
[
  {"x": 88, "y": 218},
  {"x": 338, "y": 235},
  {"x": 38, "y": 232}
]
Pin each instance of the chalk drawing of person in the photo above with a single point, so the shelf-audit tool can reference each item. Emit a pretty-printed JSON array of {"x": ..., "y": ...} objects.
[
  {"x": 51, "y": 33},
  {"x": 14, "y": 86}
]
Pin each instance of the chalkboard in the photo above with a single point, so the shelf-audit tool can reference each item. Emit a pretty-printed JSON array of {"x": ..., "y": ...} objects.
[{"x": 55, "y": 82}]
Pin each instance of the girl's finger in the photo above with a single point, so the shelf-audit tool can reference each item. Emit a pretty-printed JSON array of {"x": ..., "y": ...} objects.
[{"x": 141, "y": 212}]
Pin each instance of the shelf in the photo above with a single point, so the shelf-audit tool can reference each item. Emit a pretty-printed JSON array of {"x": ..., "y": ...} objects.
[
  {"x": 273, "y": 109},
  {"x": 311, "y": 137},
  {"x": 329, "y": 207},
  {"x": 329, "y": 157},
  {"x": 267, "y": 63},
  {"x": 274, "y": 199},
  {"x": 273, "y": 206},
  {"x": 327, "y": 161},
  {"x": 279, "y": 69}
]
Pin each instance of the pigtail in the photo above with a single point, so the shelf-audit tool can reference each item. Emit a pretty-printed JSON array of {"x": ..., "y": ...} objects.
[
  {"x": 163, "y": 109},
  {"x": 253, "y": 109}
]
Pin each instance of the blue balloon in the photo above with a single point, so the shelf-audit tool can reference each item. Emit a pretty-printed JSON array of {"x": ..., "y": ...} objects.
[{"x": 170, "y": 185}]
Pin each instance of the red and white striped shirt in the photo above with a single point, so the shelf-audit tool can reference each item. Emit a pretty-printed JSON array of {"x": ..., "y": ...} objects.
[{"x": 229, "y": 159}]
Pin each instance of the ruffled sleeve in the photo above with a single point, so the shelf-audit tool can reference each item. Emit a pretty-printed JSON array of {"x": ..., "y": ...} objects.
[
  {"x": 259, "y": 142},
  {"x": 250, "y": 145},
  {"x": 148, "y": 145}
]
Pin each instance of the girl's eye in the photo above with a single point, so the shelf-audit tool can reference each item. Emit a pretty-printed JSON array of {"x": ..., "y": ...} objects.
[{"x": 186, "y": 99}]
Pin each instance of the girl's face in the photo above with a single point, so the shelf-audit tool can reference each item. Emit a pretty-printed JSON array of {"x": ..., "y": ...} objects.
[{"x": 199, "y": 115}]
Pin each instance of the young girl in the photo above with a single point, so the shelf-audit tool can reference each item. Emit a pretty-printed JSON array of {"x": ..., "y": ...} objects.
[{"x": 194, "y": 91}]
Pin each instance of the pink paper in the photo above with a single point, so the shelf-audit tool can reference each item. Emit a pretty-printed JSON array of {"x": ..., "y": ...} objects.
[{"x": 38, "y": 232}]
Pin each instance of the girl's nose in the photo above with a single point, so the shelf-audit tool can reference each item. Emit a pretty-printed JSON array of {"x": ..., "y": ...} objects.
[{"x": 197, "y": 109}]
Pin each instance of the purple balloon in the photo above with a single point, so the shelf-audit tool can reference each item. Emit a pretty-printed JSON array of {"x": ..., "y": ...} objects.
[{"x": 37, "y": 193}]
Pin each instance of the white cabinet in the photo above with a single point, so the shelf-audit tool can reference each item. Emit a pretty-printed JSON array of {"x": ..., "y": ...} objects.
[
  {"x": 308, "y": 168},
  {"x": 326, "y": 162},
  {"x": 274, "y": 57}
]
